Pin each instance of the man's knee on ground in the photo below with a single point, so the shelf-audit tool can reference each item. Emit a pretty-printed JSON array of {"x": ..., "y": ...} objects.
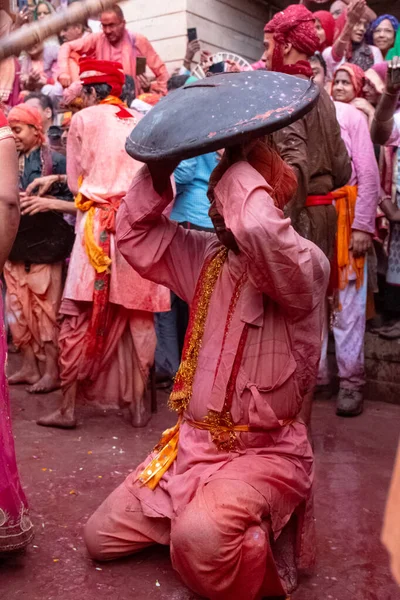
[
  {"x": 94, "y": 540},
  {"x": 195, "y": 532}
]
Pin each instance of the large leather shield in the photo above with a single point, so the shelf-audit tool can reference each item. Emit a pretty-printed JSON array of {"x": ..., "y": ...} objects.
[{"x": 220, "y": 111}]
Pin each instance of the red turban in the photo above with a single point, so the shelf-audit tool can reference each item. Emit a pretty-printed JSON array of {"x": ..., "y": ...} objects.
[
  {"x": 102, "y": 71},
  {"x": 23, "y": 113},
  {"x": 294, "y": 25},
  {"x": 328, "y": 25},
  {"x": 356, "y": 74}
]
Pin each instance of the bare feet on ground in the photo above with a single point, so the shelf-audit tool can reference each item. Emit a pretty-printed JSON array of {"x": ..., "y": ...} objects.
[
  {"x": 59, "y": 419},
  {"x": 139, "y": 415},
  {"x": 47, "y": 383},
  {"x": 29, "y": 376}
]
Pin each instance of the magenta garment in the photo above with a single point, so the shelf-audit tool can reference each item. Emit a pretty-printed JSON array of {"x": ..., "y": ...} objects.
[
  {"x": 16, "y": 529},
  {"x": 282, "y": 302},
  {"x": 365, "y": 173}
]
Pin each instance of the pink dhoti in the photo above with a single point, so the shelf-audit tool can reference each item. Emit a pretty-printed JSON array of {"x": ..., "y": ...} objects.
[
  {"x": 32, "y": 303},
  {"x": 220, "y": 543},
  {"x": 233, "y": 509},
  {"x": 129, "y": 346}
]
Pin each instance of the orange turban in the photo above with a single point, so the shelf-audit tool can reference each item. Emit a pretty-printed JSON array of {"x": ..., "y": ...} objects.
[{"x": 23, "y": 113}]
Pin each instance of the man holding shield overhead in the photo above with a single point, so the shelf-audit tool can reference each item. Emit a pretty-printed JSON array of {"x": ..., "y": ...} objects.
[{"x": 224, "y": 483}]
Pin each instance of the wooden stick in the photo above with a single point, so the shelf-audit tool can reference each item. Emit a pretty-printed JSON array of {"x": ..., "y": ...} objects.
[{"x": 34, "y": 33}]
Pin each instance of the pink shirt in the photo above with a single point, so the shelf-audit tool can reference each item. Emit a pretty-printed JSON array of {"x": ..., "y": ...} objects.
[
  {"x": 96, "y": 45},
  {"x": 332, "y": 64},
  {"x": 365, "y": 173},
  {"x": 282, "y": 302},
  {"x": 106, "y": 176}
]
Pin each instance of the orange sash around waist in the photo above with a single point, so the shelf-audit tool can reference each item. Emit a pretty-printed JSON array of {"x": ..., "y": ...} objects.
[{"x": 345, "y": 202}]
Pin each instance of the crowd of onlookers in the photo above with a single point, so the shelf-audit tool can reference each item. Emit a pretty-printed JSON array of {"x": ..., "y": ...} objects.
[{"x": 352, "y": 65}]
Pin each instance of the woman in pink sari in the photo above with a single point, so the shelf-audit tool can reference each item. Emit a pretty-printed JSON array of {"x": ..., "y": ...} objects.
[{"x": 16, "y": 529}]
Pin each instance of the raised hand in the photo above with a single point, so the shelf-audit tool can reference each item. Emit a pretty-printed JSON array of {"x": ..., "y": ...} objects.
[
  {"x": 355, "y": 11},
  {"x": 192, "y": 48},
  {"x": 393, "y": 76}
]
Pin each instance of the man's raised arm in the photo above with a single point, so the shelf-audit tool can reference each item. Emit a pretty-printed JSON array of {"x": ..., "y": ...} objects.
[
  {"x": 156, "y": 247},
  {"x": 282, "y": 264}
]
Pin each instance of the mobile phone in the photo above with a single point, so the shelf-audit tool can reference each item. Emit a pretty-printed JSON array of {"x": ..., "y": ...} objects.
[
  {"x": 218, "y": 67},
  {"x": 396, "y": 76},
  {"x": 140, "y": 65},
  {"x": 22, "y": 4},
  {"x": 192, "y": 34}
]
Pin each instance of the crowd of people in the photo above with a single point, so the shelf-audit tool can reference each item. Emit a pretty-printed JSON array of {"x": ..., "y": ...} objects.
[{"x": 110, "y": 283}]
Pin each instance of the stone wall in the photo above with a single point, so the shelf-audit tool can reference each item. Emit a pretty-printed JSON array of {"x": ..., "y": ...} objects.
[
  {"x": 234, "y": 25},
  {"x": 382, "y": 363}
]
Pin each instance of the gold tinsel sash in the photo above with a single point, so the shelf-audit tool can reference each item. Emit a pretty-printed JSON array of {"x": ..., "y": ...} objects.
[{"x": 167, "y": 448}]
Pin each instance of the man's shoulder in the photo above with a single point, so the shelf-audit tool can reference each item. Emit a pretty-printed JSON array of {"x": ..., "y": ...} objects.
[{"x": 139, "y": 38}]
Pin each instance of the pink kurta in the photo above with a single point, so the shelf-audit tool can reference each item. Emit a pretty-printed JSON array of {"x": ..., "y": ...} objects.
[
  {"x": 365, "y": 172},
  {"x": 131, "y": 46},
  {"x": 333, "y": 65},
  {"x": 105, "y": 180},
  {"x": 282, "y": 302}
]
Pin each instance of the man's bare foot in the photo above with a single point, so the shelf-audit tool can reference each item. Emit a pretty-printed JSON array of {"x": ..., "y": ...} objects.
[
  {"x": 47, "y": 383},
  {"x": 24, "y": 376},
  {"x": 59, "y": 419},
  {"x": 139, "y": 415}
]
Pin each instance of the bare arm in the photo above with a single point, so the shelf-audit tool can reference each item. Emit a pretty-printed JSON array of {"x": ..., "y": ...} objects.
[
  {"x": 85, "y": 45},
  {"x": 9, "y": 198},
  {"x": 30, "y": 205},
  {"x": 354, "y": 14},
  {"x": 383, "y": 122}
]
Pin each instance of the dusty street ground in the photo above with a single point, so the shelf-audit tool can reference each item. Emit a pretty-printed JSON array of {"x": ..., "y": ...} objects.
[{"x": 67, "y": 474}]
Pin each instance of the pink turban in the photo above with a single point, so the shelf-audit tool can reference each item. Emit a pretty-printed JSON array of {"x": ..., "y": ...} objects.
[{"x": 23, "y": 113}]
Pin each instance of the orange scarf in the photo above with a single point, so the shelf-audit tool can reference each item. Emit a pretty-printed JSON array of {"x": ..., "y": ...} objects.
[
  {"x": 114, "y": 101},
  {"x": 345, "y": 200}
]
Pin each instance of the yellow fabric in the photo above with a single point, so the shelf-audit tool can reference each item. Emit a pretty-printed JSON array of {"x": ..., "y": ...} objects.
[
  {"x": 345, "y": 201},
  {"x": 167, "y": 452},
  {"x": 97, "y": 257}
]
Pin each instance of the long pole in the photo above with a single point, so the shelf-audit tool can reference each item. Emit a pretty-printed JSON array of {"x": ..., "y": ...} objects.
[{"x": 34, "y": 33}]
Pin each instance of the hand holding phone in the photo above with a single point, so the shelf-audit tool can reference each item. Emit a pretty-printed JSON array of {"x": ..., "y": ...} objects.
[
  {"x": 141, "y": 64},
  {"x": 192, "y": 34},
  {"x": 393, "y": 75}
]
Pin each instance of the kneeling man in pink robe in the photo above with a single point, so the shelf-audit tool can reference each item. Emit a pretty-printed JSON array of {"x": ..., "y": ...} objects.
[{"x": 224, "y": 497}]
